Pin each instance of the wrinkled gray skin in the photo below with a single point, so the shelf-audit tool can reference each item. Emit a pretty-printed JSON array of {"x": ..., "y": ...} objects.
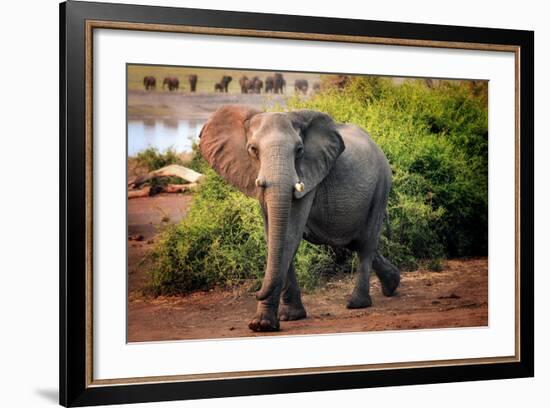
[{"x": 347, "y": 180}]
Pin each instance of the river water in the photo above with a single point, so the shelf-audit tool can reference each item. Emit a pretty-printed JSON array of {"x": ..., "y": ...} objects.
[{"x": 162, "y": 134}]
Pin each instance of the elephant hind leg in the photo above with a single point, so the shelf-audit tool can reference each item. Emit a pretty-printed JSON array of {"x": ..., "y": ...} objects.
[
  {"x": 360, "y": 296},
  {"x": 368, "y": 251},
  {"x": 387, "y": 273},
  {"x": 291, "y": 307}
]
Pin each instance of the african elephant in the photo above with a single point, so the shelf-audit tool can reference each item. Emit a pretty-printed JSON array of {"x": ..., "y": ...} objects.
[
  {"x": 225, "y": 82},
  {"x": 315, "y": 179},
  {"x": 244, "y": 83},
  {"x": 149, "y": 82},
  {"x": 172, "y": 82},
  {"x": 256, "y": 85},
  {"x": 278, "y": 83},
  {"x": 301, "y": 85},
  {"x": 269, "y": 84},
  {"x": 193, "y": 78},
  {"x": 252, "y": 85}
]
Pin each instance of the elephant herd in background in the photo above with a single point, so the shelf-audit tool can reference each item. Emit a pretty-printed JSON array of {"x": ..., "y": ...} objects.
[
  {"x": 170, "y": 82},
  {"x": 275, "y": 83}
]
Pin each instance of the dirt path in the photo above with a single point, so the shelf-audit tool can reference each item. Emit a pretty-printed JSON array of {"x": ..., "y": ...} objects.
[{"x": 454, "y": 297}]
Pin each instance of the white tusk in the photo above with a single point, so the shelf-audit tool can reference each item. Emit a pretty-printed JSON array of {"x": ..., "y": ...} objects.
[
  {"x": 299, "y": 187},
  {"x": 258, "y": 182}
]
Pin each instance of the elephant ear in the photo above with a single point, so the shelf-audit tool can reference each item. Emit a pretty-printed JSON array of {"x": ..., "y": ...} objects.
[
  {"x": 223, "y": 145},
  {"x": 322, "y": 146}
]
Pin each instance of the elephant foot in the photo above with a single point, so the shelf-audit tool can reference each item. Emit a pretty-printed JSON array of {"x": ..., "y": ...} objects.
[
  {"x": 265, "y": 321},
  {"x": 390, "y": 283},
  {"x": 292, "y": 312},
  {"x": 359, "y": 301},
  {"x": 387, "y": 273}
]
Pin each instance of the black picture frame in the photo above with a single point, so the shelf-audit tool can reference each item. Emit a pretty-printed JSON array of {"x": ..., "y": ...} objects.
[{"x": 75, "y": 389}]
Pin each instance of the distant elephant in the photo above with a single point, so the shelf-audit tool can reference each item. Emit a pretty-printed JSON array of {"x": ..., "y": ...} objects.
[
  {"x": 172, "y": 82},
  {"x": 278, "y": 83},
  {"x": 269, "y": 84},
  {"x": 315, "y": 179},
  {"x": 149, "y": 82},
  {"x": 225, "y": 82},
  {"x": 218, "y": 87},
  {"x": 244, "y": 83},
  {"x": 193, "y": 82},
  {"x": 301, "y": 85},
  {"x": 256, "y": 85},
  {"x": 316, "y": 87}
]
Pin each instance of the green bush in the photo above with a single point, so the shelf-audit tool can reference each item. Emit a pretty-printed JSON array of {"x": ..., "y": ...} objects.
[
  {"x": 436, "y": 141},
  {"x": 219, "y": 242},
  {"x": 153, "y": 159},
  {"x": 435, "y": 264}
]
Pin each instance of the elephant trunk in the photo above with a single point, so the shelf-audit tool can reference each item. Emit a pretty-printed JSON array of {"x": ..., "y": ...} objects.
[{"x": 278, "y": 200}]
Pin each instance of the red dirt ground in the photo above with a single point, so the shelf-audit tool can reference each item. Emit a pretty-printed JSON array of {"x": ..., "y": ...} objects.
[{"x": 454, "y": 297}]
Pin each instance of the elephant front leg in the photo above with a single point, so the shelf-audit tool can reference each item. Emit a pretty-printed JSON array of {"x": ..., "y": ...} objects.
[
  {"x": 291, "y": 307},
  {"x": 266, "y": 319}
]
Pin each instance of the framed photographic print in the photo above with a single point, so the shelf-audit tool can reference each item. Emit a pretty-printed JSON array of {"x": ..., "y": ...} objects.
[{"x": 256, "y": 203}]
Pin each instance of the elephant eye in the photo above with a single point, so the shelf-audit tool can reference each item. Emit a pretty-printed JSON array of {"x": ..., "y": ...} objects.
[
  {"x": 253, "y": 151},
  {"x": 300, "y": 151}
]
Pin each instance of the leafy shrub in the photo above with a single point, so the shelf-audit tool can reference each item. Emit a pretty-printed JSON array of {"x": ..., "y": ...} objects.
[
  {"x": 197, "y": 162},
  {"x": 153, "y": 159},
  {"x": 314, "y": 264},
  {"x": 435, "y": 264},
  {"x": 436, "y": 140},
  {"x": 219, "y": 242}
]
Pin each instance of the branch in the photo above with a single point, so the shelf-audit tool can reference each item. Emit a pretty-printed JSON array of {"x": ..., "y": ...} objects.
[{"x": 176, "y": 170}]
